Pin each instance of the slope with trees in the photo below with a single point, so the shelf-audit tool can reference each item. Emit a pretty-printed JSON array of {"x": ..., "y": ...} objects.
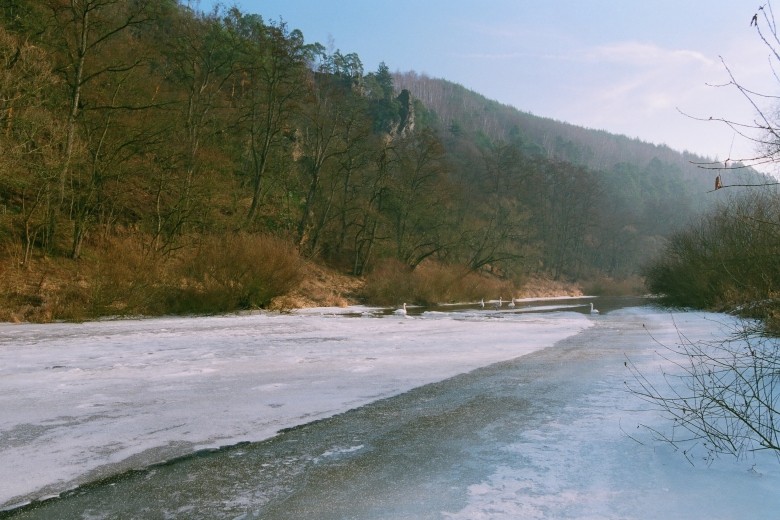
[{"x": 160, "y": 159}]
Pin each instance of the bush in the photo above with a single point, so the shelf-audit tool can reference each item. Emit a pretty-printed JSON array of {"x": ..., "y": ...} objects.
[
  {"x": 234, "y": 272},
  {"x": 120, "y": 277},
  {"x": 114, "y": 278},
  {"x": 391, "y": 283},
  {"x": 729, "y": 260}
]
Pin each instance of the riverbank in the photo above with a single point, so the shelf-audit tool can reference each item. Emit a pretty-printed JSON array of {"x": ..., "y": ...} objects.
[
  {"x": 324, "y": 287},
  {"x": 47, "y": 290}
]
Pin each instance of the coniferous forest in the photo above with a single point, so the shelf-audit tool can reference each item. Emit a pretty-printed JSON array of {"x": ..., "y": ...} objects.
[{"x": 155, "y": 159}]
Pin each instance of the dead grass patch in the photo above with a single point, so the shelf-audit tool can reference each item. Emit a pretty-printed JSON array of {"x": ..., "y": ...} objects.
[
  {"x": 538, "y": 287},
  {"x": 234, "y": 272},
  {"x": 391, "y": 283}
]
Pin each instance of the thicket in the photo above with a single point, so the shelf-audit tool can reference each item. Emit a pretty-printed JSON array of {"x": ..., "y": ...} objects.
[
  {"x": 721, "y": 395},
  {"x": 729, "y": 260},
  {"x": 217, "y": 273},
  {"x": 392, "y": 282}
]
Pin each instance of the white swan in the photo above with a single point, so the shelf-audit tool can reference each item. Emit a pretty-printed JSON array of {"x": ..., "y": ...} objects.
[
  {"x": 401, "y": 311},
  {"x": 511, "y": 304},
  {"x": 499, "y": 303},
  {"x": 482, "y": 303},
  {"x": 592, "y": 310}
]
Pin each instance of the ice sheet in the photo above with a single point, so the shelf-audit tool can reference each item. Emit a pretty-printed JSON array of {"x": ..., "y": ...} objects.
[
  {"x": 82, "y": 401},
  {"x": 599, "y": 458}
]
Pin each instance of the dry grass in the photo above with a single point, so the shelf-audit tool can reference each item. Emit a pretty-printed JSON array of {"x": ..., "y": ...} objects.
[
  {"x": 391, "y": 283},
  {"x": 320, "y": 287},
  {"x": 43, "y": 291},
  {"x": 538, "y": 287},
  {"x": 234, "y": 272},
  {"x": 120, "y": 277},
  {"x": 228, "y": 273}
]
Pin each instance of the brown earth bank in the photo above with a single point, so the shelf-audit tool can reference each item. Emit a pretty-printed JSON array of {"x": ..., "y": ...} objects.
[
  {"x": 325, "y": 288},
  {"x": 47, "y": 290}
]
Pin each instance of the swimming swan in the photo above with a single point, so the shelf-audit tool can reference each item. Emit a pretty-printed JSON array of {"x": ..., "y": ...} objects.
[
  {"x": 592, "y": 310},
  {"x": 401, "y": 311}
]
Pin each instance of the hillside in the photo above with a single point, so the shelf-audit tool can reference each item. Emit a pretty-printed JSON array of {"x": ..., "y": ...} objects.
[
  {"x": 637, "y": 193},
  {"x": 455, "y": 105},
  {"x": 160, "y": 160}
]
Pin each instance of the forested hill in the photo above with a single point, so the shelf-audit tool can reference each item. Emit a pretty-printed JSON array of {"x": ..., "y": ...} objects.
[
  {"x": 160, "y": 156},
  {"x": 461, "y": 108},
  {"x": 646, "y": 190}
]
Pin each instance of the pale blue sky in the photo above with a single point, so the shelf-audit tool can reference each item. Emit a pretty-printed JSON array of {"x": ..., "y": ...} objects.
[{"x": 624, "y": 66}]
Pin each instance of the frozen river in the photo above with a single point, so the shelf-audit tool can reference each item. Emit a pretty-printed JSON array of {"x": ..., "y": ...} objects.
[{"x": 457, "y": 414}]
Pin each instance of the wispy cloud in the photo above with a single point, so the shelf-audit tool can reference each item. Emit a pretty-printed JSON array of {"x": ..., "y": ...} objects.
[
  {"x": 493, "y": 56},
  {"x": 645, "y": 54},
  {"x": 634, "y": 54}
]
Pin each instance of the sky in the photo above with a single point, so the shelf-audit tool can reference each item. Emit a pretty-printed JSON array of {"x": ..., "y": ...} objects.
[{"x": 628, "y": 67}]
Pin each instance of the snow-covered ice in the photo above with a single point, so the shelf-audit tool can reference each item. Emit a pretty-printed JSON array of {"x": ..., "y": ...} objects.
[
  {"x": 81, "y": 401},
  {"x": 78, "y": 402},
  {"x": 598, "y": 458}
]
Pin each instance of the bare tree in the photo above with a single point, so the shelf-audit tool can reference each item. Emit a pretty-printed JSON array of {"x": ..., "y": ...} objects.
[
  {"x": 367, "y": 228},
  {"x": 272, "y": 68},
  {"x": 199, "y": 63},
  {"x": 418, "y": 203},
  {"x": 95, "y": 41},
  {"x": 497, "y": 231},
  {"x": 30, "y": 137},
  {"x": 84, "y": 28},
  {"x": 764, "y": 130},
  {"x": 723, "y": 396}
]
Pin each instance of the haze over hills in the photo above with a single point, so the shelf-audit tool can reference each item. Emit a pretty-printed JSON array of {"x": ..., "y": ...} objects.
[
  {"x": 647, "y": 190},
  {"x": 595, "y": 148}
]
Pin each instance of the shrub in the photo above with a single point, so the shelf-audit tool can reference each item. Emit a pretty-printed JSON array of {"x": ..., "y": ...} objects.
[
  {"x": 391, "y": 282},
  {"x": 233, "y": 272},
  {"x": 731, "y": 259},
  {"x": 120, "y": 277},
  {"x": 388, "y": 283},
  {"x": 116, "y": 277}
]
